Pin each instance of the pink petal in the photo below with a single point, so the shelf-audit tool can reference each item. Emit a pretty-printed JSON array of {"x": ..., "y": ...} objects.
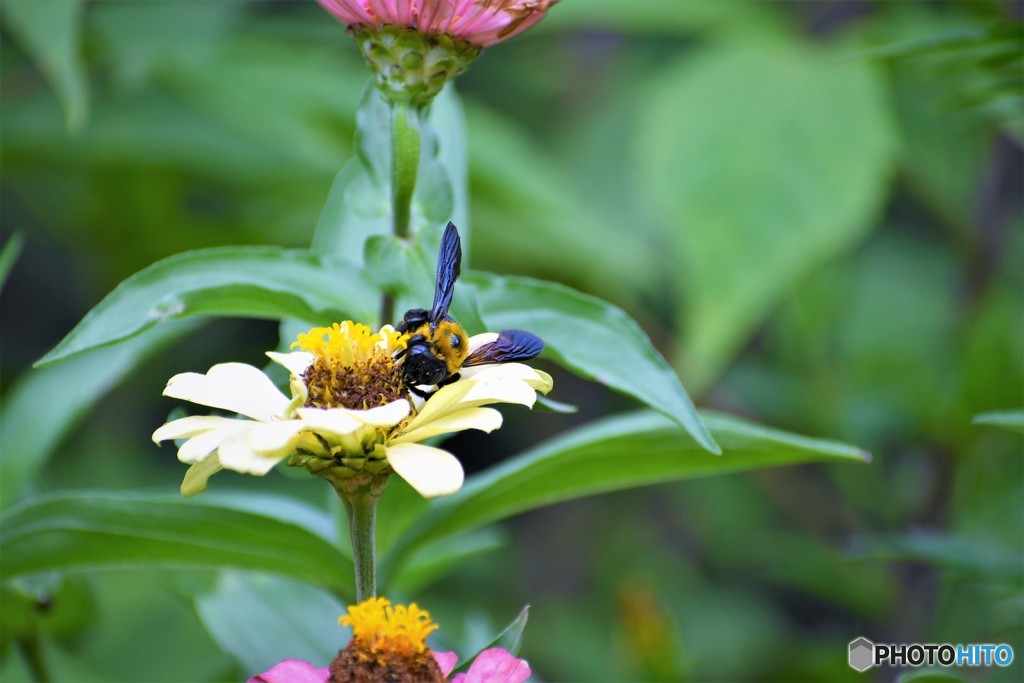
[
  {"x": 496, "y": 666},
  {"x": 292, "y": 671},
  {"x": 446, "y": 660}
]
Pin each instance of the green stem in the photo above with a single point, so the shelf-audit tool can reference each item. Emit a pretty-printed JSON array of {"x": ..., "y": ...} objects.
[
  {"x": 405, "y": 160},
  {"x": 32, "y": 652},
  {"x": 361, "y": 507}
]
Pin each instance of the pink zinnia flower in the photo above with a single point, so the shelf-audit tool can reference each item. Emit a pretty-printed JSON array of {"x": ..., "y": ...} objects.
[
  {"x": 392, "y": 638},
  {"x": 491, "y": 666},
  {"x": 480, "y": 22}
]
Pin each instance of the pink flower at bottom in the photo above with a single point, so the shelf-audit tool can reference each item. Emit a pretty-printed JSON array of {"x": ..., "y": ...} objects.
[
  {"x": 491, "y": 666},
  {"x": 292, "y": 671},
  {"x": 480, "y": 22}
]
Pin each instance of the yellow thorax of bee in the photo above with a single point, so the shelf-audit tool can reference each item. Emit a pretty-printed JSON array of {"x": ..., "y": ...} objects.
[{"x": 441, "y": 338}]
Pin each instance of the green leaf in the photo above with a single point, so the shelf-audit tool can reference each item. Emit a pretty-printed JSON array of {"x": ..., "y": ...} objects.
[
  {"x": 9, "y": 255},
  {"x": 766, "y": 159},
  {"x": 610, "y": 455},
  {"x": 49, "y": 30},
  {"x": 94, "y": 530},
  {"x": 1012, "y": 420},
  {"x": 261, "y": 620},
  {"x": 265, "y": 282},
  {"x": 30, "y": 433},
  {"x": 510, "y": 639},
  {"x": 592, "y": 338}
]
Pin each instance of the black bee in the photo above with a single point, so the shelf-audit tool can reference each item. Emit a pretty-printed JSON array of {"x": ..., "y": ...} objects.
[{"x": 438, "y": 346}]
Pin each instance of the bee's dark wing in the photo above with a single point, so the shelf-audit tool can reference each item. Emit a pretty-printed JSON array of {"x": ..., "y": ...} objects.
[
  {"x": 449, "y": 264},
  {"x": 511, "y": 345}
]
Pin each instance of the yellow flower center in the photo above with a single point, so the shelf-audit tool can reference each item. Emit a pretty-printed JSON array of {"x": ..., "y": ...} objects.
[
  {"x": 381, "y": 628},
  {"x": 353, "y": 367}
]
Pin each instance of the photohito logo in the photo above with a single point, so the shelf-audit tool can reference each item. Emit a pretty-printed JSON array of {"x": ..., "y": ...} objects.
[{"x": 864, "y": 654}]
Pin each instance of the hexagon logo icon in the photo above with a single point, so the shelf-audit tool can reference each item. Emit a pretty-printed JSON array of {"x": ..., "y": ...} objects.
[{"x": 862, "y": 654}]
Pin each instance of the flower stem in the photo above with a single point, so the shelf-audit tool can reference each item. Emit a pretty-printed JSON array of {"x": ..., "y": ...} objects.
[
  {"x": 361, "y": 507},
  {"x": 405, "y": 160}
]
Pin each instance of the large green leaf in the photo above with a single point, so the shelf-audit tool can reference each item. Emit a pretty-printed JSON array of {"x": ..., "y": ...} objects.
[
  {"x": 93, "y": 530},
  {"x": 593, "y": 338},
  {"x": 609, "y": 455},
  {"x": 1012, "y": 420},
  {"x": 262, "y": 620},
  {"x": 49, "y": 30},
  {"x": 766, "y": 159},
  {"x": 32, "y": 425},
  {"x": 264, "y": 282}
]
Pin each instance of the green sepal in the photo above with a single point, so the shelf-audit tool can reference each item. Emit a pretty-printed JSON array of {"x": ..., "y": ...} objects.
[{"x": 410, "y": 67}]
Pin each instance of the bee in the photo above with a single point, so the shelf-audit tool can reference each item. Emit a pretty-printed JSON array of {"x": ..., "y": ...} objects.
[{"x": 438, "y": 346}]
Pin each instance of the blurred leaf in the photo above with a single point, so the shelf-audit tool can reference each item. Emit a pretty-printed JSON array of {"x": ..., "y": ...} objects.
[
  {"x": 1012, "y": 420},
  {"x": 49, "y": 31},
  {"x": 660, "y": 18},
  {"x": 261, "y": 620},
  {"x": 144, "y": 39},
  {"x": 263, "y": 282},
  {"x": 91, "y": 530},
  {"x": 592, "y": 338},
  {"x": 768, "y": 159},
  {"x": 976, "y": 67},
  {"x": 439, "y": 559},
  {"x": 30, "y": 434},
  {"x": 9, "y": 255},
  {"x": 510, "y": 639},
  {"x": 529, "y": 214},
  {"x": 609, "y": 455},
  {"x": 974, "y": 556}
]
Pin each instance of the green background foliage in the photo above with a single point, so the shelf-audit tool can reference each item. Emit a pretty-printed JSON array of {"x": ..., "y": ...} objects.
[{"x": 813, "y": 210}]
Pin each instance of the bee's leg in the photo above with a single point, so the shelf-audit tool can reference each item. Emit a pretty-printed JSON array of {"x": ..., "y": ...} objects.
[
  {"x": 450, "y": 379},
  {"x": 419, "y": 392}
]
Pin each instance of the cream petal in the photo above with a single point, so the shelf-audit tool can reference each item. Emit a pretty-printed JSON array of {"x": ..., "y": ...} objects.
[
  {"x": 484, "y": 419},
  {"x": 236, "y": 387},
  {"x": 543, "y": 384},
  {"x": 330, "y": 420},
  {"x": 275, "y": 438},
  {"x": 296, "y": 362},
  {"x": 478, "y": 340},
  {"x": 195, "y": 424},
  {"x": 514, "y": 391},
  {"x": 383, "y": 416},
  {"x": 197, "y": 475},
  {"x": 441, "y": 402},
  {"x": 200, "y": 446},
  {"x": 236, "y": 454},
  {"x": 502, "y": 372},
  {"x": 431, "y": 471}
]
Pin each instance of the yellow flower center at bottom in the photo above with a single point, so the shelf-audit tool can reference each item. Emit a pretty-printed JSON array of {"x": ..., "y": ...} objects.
[{"x": 388, "y": 644}]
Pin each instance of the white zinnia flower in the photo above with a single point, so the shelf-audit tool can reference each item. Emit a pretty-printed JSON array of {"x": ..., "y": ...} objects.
[{"x": 350, "y": 418}]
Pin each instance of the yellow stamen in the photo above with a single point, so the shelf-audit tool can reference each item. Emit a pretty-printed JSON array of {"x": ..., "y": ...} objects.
[
  {"x": 383, "y": 628},
  {"x": 346, "y": 342}
]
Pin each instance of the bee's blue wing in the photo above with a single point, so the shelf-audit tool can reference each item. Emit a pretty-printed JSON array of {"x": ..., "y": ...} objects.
[
  {"x": 511, "y": 345},
  {"x": 449, "y": 265}
]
